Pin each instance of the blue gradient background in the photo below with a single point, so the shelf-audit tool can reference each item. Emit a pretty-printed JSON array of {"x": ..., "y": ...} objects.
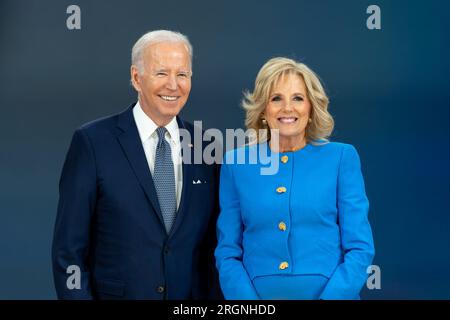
[{"x": 389, "y": 92}]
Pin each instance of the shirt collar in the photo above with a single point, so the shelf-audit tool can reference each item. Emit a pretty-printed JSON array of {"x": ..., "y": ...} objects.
[{"x": 146, "y": 126}]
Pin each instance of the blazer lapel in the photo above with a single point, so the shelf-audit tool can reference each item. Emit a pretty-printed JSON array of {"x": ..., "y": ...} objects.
[
  {"x": 131, "y": 144},
  {"x": 188, "y": 174}
]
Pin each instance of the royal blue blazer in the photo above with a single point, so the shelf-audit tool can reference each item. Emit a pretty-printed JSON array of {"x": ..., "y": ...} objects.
[
  {"x": 110, "y": 225},
  {"x": 309, "y": 218}
]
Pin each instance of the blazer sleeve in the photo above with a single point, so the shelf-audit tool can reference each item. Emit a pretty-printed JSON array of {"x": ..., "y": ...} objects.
[
  {"x": 77, "y": 199},
  {"x": 234, "y": 279},
  {"x": 356, "y": 235}
]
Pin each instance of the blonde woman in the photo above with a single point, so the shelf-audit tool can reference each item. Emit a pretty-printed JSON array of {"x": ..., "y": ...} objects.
[{"x": 302, "y": 233}]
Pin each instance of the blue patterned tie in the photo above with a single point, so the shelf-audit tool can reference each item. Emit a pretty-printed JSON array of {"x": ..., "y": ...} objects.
[{"x": 164, "y": 178}]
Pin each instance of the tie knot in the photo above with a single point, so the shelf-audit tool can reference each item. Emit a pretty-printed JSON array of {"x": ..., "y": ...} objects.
[{"x": 161, "y": 131}]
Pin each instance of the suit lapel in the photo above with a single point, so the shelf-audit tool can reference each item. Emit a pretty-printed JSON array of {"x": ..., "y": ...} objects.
[
  {"x": 132, "y": 147},
  {"x": 188, "y": 173}
]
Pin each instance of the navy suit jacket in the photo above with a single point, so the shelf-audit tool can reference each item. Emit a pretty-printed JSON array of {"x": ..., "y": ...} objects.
[{"x": 109, "y": 223}]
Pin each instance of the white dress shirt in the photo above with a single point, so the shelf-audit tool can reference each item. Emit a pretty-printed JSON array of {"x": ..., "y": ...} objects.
[{"x": 149, "y": 138}]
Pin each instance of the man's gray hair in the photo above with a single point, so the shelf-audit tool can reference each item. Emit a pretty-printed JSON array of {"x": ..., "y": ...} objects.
[{"x": 153, "y": 37}]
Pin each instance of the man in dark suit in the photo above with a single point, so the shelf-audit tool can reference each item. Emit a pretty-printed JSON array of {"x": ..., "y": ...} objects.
[{"x": 135, "y": 220}]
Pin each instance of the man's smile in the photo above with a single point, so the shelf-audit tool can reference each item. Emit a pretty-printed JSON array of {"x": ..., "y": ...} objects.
[{"x": 169, "y": 98}]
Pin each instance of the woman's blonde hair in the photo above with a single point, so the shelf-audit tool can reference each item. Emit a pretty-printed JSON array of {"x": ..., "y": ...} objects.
[{"x": 321, "y": 125}]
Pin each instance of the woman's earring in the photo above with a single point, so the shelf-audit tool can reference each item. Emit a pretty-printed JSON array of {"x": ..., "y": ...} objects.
[
  {"x": 309, "y": 120},
  {"x": 264, "y": 121}
]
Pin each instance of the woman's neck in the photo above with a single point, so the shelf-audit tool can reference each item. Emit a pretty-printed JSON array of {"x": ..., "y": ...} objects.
[{"x": 288, "y": 145}]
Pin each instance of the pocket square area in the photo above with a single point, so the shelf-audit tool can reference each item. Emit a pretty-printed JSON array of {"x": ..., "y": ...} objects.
[{"x": 198, "y": 181}]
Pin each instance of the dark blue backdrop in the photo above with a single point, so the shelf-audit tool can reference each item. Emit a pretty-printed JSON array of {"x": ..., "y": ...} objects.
[{"x": 388, "y": 89}]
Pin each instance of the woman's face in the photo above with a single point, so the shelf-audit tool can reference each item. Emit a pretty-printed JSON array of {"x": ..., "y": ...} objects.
[{"x": 289, "y": 107}]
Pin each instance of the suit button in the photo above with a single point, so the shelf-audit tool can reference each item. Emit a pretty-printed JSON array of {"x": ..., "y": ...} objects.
[
  {"x": 284, "y": 159},
  {"x": 160, "y": 289},
  {"x": 281, "y": 189},
  {"x": 166, "y": 250},
  {"x": 284, "y": 265},
  {"x": 282, "y": 226}
]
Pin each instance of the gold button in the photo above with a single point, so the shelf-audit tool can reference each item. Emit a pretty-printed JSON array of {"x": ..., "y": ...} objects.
[
  {"x": 281, "y": 189},
  {"x": 282, "y": 226},
  {"x": 284, "y": 265},
  {"x": 284, "y": 159}
]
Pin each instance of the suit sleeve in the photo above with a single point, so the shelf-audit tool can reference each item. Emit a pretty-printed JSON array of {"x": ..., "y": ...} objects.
[
  {"x": 77, "y": 198},
  {"x": 234, "y": 279},
  {"x": 356, "y": 234}
]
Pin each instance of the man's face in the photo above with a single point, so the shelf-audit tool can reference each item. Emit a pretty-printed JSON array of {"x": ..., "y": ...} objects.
[{"x": 165, "y": 83}]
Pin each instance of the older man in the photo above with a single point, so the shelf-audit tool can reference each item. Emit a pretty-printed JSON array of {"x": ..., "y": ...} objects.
[{"x": 135, "y": 221}]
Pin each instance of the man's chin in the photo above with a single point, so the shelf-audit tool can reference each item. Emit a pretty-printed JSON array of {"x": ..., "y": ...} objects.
[{"x": 171, "y": 113}]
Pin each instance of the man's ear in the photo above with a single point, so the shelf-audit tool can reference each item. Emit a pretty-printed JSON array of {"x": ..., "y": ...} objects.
[{"x": 135, "y": 81}]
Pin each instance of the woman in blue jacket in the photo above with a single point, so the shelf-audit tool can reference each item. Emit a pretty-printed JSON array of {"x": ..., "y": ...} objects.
[{"x": 303, "y": 232}]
